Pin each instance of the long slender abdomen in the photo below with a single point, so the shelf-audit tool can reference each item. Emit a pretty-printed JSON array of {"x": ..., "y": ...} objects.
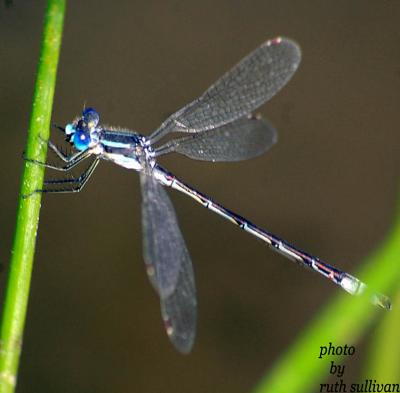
[{"x": 349, "y": 283}]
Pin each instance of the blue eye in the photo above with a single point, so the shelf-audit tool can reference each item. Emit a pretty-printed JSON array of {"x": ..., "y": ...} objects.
[
  {"x": 91, "y": 117},
  {"x": 81, "y": 139}
]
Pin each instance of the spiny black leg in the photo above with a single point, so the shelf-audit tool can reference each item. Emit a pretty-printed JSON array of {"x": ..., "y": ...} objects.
[
  {"x": 82, "y": 177},
  {"x": 61, "y": 154},
  {"x": 62, "y": 129},
  {"x": 80, "y": 181},
  {"x": 58, "y": 152},
  {"x": 71, "y": 161}
]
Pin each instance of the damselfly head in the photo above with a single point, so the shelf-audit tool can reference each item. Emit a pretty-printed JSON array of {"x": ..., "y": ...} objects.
[
  {"x": 83, "y": 132},
  {"x": 90, "y": 117}
]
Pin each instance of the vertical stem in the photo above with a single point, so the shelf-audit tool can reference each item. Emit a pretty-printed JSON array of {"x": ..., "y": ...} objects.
[{"x": 16, "y": 298}]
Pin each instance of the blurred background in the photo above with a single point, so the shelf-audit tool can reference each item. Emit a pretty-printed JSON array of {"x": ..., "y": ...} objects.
[{"x": 329, "y": 185}]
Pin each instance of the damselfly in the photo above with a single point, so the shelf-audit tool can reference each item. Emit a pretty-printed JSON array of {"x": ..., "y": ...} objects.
[{"x": 219, "y": 127}]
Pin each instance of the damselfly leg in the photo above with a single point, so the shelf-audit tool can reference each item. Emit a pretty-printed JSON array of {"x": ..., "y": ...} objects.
[{"x": 72, "y": 160}]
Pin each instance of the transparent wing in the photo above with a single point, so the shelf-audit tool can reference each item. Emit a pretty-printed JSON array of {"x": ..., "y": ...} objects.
[
  {"x": 168, "y": 264},
  {"x": 242, "y": 139},
  {"x": 253, "y": 81}
]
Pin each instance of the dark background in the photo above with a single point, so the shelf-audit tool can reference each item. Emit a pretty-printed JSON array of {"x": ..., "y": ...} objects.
[{"x": 329, "y": 186}]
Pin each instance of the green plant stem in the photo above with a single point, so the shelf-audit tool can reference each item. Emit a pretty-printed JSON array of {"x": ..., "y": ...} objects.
[
  {"x": 384, "y": 349},
  {"x": 17, "y": 293},
  {"x": 343, "y": 321}
]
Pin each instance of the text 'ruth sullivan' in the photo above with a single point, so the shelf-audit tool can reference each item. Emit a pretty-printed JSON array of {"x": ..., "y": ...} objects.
[{"x": 369, "y": 386}]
